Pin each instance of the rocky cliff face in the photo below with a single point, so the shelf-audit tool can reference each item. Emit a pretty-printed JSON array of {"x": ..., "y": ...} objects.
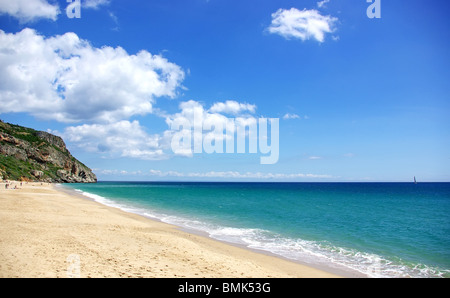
[{"x": 27, "y": 154}]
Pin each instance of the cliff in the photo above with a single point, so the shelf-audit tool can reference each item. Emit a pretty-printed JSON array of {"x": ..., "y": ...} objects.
[{"x": 30, "y": 155}]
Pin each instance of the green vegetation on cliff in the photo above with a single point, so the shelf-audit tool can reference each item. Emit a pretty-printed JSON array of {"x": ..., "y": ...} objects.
[{"x": 28, "y": 154}]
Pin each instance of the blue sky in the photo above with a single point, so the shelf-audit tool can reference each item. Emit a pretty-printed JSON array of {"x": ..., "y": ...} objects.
[{"x": 358, "y": 99}]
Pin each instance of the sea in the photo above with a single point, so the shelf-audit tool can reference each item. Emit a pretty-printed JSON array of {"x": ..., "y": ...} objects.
[{"x": 360, "y": 229}]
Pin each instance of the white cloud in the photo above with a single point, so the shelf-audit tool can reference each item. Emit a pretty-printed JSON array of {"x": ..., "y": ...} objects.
[
  {"x": 195, "y": 113},
  {"x": 94, "y": 4},
  {"x": 232, "y": 107},
  {"x": 315, "y": 157},
  {"x": 29, "y": 10},
  {"x": 235, "y": 175},
  {"x": 114, "y": 19},
  {"x": 129, "y": 139},
  {"x": 117, "y": 172},
  {"x": 66, "y": 79},
  {"x": 322, "y": 4},
  {"x": 215, "y": 127},
  {"x": 288, "y": 116},
  {"x": 120, "y": 139},
  {"x": 302, "y": 24},
  {"x": 217, "y": 174}
]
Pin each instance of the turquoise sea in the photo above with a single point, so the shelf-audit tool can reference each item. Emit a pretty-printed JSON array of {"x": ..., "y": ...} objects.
[{"x": 365, "y": 229}]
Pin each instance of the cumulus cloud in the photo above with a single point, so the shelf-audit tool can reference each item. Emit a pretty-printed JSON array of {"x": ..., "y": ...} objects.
[
  {"x": 120, "y": 139},
  {"x": 66, "y": 79},
  {"x": 29, "y": 10},
  {"x": 216, "y": 128},
  {"x": 129, "y": 139},
  {"x": 198, "y": 116},
  {"x": 301, "y": 24}
]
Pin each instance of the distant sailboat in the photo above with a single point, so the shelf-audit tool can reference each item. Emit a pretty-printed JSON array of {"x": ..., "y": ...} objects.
[{"x": 415, "y": 182}]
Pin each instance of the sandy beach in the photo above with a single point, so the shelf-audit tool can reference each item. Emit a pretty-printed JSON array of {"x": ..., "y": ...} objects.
[{"x": 45, "y": 232}]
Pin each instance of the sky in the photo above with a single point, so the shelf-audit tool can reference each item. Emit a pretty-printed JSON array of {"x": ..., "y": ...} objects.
[{"x": 357, "y": 91}]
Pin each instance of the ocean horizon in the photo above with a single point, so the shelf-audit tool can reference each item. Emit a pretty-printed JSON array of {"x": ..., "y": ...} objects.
[{"x": 372, "y": 229}]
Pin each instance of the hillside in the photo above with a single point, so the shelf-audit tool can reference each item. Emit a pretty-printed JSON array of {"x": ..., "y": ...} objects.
[{"x": 30, "y": 155}]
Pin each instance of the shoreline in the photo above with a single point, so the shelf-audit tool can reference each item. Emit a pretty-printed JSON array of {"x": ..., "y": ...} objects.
[
  {"x": 335, "y": 270},
  {"x": 47, "y": 232}
]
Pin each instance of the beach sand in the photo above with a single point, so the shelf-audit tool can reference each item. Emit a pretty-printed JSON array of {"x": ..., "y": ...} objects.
[{"x": 45, "y": 232}]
